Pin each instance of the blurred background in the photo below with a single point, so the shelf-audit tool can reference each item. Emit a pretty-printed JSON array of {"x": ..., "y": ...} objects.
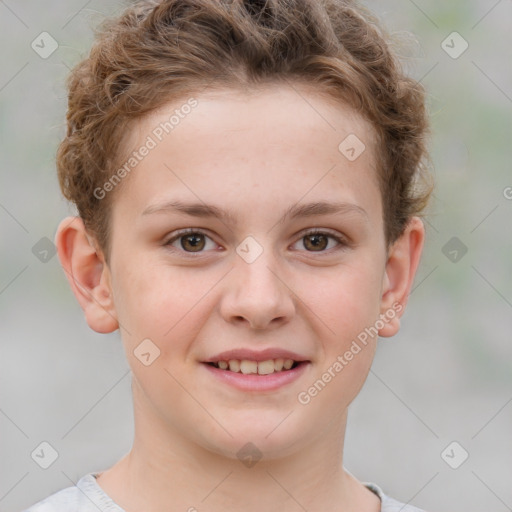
[{"x": 433, "y": 424}]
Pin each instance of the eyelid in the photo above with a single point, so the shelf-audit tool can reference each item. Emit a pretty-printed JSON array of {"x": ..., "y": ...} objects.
[
  {"x": 324, "y": 231},
  {"x": 185, "y": 231}
]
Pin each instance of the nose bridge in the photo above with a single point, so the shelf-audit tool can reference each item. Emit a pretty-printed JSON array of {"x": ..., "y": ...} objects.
[
  {"x": 260, "y": 277},
  {"x": 256, "y": 292}
]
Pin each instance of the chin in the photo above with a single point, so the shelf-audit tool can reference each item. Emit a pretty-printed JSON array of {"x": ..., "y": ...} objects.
[{"x": 270, "y": 438}]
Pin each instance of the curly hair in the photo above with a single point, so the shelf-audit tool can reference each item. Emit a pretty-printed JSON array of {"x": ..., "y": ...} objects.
[{"x": 158, "y": 51}]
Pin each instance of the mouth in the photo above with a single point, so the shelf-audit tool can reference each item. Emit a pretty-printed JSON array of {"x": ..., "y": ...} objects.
[
  {"x": 249, "y": 367},
  {"x": 256, "y": 372}
]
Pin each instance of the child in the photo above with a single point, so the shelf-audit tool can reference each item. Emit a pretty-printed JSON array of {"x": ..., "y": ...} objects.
[{"x": 281, "y": 140}]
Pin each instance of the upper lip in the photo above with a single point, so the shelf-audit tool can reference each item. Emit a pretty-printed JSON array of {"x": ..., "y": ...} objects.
[{"x": 252, "y": 355}]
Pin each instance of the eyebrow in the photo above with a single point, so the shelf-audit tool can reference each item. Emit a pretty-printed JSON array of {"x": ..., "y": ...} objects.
[{"x": 295, "y": 211}]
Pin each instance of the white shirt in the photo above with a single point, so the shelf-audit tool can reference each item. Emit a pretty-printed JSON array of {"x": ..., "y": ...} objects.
[{"x": 88, "y": 496}]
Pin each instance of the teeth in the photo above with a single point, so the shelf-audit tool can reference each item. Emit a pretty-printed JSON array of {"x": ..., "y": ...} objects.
[
  {"x": 266, "y": 367},
  {"x": 247, "y": 367},
  {"x": 234, "y": 365}
]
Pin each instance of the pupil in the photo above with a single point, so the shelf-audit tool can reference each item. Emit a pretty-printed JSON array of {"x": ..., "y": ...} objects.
[
  {"x": 195, "y": 240},
  {"x": 316, "y": 244}
]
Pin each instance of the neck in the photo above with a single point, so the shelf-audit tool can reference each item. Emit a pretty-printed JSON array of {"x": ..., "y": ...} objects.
[{"x": 165, "y": 468}]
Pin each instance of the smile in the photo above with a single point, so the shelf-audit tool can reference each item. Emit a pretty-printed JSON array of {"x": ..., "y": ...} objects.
[
  {"x": 256, "y": 376},
  {"x": 248, "y": 367}
]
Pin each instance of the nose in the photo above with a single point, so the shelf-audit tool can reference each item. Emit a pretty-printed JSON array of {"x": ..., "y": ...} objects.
[{"x": 257, "y": 295}]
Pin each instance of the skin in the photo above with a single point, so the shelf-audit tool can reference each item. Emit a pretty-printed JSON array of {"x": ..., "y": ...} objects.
[{"x": 256, "y": 154}]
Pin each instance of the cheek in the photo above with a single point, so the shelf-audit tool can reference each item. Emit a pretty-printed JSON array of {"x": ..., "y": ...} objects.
[
  {"x": 347, "y": 301},
  {"x": 337, "y": 384},
  {"x": 163, "y": 305},
  {"x": 348, "y": 305},
  {"x": 348, "y": 308},
  {"x": 160, "y": 303}
]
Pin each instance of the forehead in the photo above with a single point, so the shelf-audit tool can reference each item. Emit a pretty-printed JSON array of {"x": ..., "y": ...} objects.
[
  {"x": 282, "y": 112},
  {"x": 277, "y": 103},
  {"x": 276, "y": 141}
]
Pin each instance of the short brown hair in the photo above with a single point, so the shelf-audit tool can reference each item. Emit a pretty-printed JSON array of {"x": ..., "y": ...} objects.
[{"x": 159, "y": 51}]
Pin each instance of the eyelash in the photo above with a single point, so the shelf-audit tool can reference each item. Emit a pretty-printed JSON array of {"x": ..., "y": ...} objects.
[{"x": 343, "y": 243}]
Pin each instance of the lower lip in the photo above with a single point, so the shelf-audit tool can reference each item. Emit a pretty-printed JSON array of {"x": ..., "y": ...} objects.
[{"x": 254, "y": 382}]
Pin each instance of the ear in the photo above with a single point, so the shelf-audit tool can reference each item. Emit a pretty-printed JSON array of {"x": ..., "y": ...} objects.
[
  {"x": 87, "y": 273},
  {"x": 403, "y": 259}
]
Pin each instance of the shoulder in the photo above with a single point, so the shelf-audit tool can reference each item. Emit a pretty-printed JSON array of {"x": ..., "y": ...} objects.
[
  {"x": 390, "y": 504},
  {"x": 85, "y": 496}
]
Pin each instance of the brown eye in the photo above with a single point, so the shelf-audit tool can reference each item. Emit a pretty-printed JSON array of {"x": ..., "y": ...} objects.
[
  {"x": 321, "y": 242},
  {"x": 190, "y": 241},
  {"x": 193, "y": 242},
  {"x": 316, "y": 242}
]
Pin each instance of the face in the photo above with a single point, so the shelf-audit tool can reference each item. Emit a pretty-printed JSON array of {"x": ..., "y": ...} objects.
[{"x": 247, "y": 240}]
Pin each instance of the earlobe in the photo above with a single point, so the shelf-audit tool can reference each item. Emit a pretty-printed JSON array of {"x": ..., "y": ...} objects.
[
  {"x": 87, "y": 273},
  {"x": 402, "y": 263}
]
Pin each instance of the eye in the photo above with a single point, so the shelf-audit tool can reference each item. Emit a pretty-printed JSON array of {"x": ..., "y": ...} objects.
[
  {"x": 190, "y": 240},
  {"x": 318, "y": 241},
  {"x": 193, "y": 240}
]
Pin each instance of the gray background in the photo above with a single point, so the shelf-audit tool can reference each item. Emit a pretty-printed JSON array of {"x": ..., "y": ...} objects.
[{"x": 445, "y": 377}]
